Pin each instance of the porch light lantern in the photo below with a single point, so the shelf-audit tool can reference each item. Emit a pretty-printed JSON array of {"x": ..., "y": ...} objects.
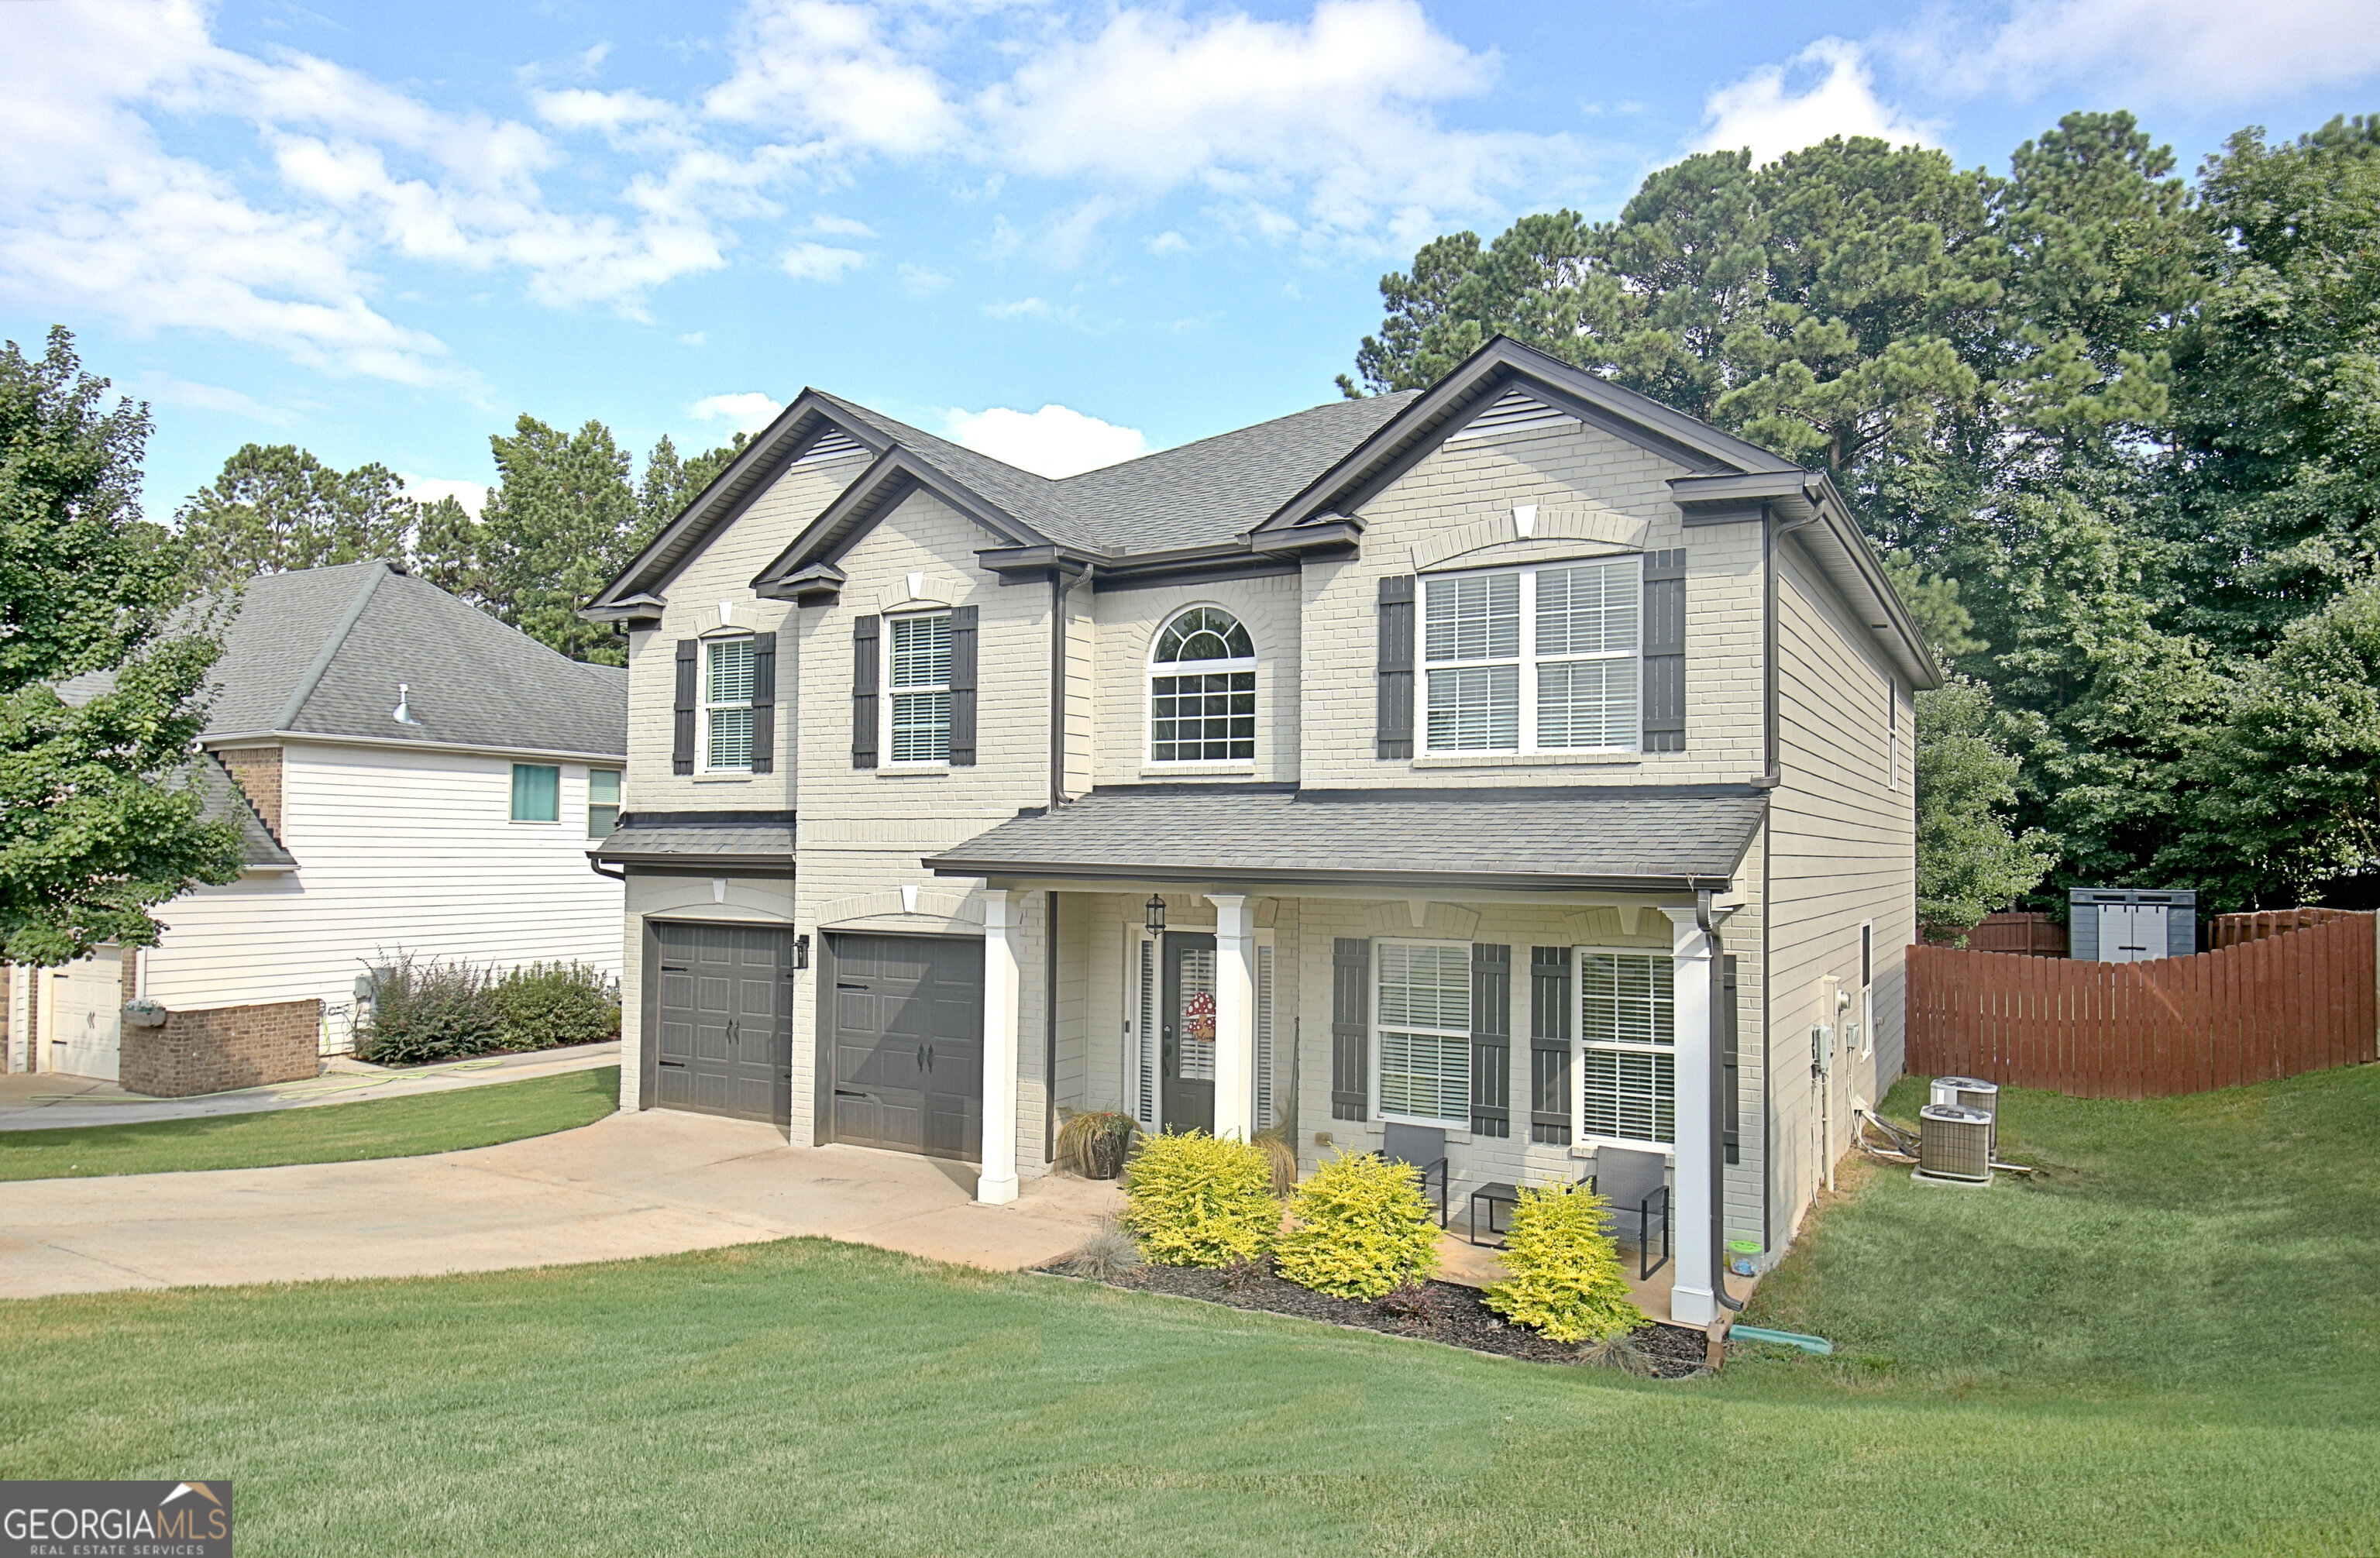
[{"x": 1155, "y": 921}]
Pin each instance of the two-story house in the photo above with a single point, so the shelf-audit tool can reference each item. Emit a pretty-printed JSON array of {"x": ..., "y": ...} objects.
[{"x": 1518, "y": 760}]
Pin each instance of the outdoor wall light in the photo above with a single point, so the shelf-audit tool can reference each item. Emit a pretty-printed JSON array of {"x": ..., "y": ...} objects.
[{"x": 1156, "y": 915}]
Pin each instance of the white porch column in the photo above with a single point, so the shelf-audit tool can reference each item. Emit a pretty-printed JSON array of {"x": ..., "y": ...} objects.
[
  {"x": 1235, "y": 1017},
  {"x": 1694, "y": 1203},
  {"x": 997, "y": 1183}
]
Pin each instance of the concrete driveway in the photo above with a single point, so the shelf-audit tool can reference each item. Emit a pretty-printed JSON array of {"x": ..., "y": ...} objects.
[{"x": 655, "y": 1183}]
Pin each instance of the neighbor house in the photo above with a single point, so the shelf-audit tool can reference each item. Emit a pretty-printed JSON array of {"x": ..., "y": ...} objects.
[
  {"x": 1519, "y": 763},
  {"x": 408, "y": 774}
]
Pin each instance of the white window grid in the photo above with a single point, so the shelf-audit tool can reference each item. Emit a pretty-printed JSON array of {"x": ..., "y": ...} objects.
[
  {"x": 727, "y": 706},
  {"x": 1202, "y": 712},
  {"x": 919, "y": 711},
  {"x": 1421, "y": 1026},
  {"x": 1627, "y": 1045},
  {"x": 1547, "y": 659}
]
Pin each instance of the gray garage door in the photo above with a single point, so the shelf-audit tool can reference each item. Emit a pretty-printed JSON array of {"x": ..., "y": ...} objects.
[
  {"x": 908, "y": 1044},
  {"x": 723, "y": 1041}
]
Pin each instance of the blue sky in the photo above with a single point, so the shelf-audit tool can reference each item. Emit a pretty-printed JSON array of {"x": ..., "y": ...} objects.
[{"x": 381, "y": 232}]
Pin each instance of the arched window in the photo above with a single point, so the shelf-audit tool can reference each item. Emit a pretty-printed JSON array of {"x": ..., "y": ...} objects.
[{"x": 1202, "y": 691}]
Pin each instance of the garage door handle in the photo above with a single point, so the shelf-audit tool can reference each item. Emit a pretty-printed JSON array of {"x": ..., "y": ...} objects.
[
  {"x": 674, "y": 1065},
  {"x": 929, "y": 1057},
  {"x": 846, "y": 1092},
  {"x": 922, "y": 1057}
]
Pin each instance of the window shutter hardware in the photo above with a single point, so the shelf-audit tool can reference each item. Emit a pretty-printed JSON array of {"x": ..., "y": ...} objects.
[
  {"x": 1732, "y": 1132},
  {"x": 1550, "y": 1110},
  {"x": 682, "y": 713},
  {"x": 764, "y": 703},
  {"x": 864, "y": 634},
  {"x": 1491, "y": 1040},
  {"x": 1665, "y": 651},
  {"x": 1351, "y": 1000},
  {"x": 1394, "y": 719},
  {"x": 963, "y": 685}
]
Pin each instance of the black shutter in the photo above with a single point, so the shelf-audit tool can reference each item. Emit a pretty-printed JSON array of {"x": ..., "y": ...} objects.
[
  {"x": 1550, "y": 1093},
  {"x": 1351, "y": 1029},
  {"x": 863, "y": 690},
  {"x": 1491, "y": 1040},
  {"x": 764, "y": 703},
  {"x": 689, "y": 675},
  {"x": 1732, "y": 1129},
  {"x": 963, "y": 688},
  {"x": 1665, "y": 651},
  {"x": 1394, "y": 734}
]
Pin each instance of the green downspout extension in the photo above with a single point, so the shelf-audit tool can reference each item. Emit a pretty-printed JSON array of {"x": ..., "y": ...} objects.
[{"x": 1818, "y": 1344}]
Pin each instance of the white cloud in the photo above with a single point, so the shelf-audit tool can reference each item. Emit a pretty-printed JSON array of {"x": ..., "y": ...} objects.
[
  {"x": 816, "y": 262},
  {"x": 472, "y": 495},
  {"x": 168, "y": 390},
  {"x": 693, "y": 339},
  {"x": 748, "y": 412},
  {"x": 1053, "y": 442},
  {"x": 1763, "y": 110},
  {"x": 1022, "y": 307},
  {"x": 823, "y": 69},
  {"x": 2195, "y": 50},
  {"x": 840, "y": 226},
  {"x": 1166, "y": 243},
  {"x": 922, "y": 281}
]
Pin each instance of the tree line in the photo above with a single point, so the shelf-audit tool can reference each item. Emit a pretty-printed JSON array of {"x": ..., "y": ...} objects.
[{"x": 2115, "y": 433}]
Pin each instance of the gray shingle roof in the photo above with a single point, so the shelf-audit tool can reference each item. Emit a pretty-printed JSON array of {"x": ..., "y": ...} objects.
[
  {"x": 323, "y": 650},
  {"x": 680, "y": 841},
  {"x": 1521, "y": 837}
]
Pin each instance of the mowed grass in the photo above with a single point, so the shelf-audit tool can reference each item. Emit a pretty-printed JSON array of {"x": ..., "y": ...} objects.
[
  {"x": 1994, "y": 1397},
  {"x": 329, "y": 1133}
]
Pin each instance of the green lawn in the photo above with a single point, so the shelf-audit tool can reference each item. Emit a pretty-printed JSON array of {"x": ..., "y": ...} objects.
[
  {"x": 2166, "y": 1348},
  {"x": 329, "y": 1133}
]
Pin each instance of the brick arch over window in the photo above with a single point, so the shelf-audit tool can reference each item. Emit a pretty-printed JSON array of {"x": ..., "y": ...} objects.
[{"x": 1202, "y": 689}]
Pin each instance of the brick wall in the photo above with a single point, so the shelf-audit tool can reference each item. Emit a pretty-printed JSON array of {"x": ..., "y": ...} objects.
[
  {"x": 227, "y": 1047},
  {"x": 258, "y": 769}
]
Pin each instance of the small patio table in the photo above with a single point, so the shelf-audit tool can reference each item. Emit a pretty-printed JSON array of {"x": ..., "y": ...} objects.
[{"x": 1495, "y": 1194}]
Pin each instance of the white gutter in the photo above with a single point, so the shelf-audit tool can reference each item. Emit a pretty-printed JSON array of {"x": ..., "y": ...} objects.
[{"x": 214, "y": 743}]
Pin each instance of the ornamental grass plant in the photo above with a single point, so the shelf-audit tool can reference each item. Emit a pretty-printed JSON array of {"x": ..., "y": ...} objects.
[
  {"x": 1359, "y": 1227},
  {"x": 1195, "y": 1201},
  {"x": 1563, "y": 1270}
]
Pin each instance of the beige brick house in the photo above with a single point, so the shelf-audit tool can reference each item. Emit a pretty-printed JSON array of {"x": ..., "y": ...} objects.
[{"x": 1513, "y": 770}]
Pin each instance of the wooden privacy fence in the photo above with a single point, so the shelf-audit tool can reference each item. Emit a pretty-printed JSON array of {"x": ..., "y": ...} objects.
[
  {"x": 2299, "y": 1000},
  {"x": 2231, "y": 929}
]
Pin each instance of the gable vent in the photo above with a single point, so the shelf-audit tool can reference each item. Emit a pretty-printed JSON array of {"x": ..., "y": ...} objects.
[
  {"x": 837, "y": 445},
  {"x": 1514, "y": 412}
]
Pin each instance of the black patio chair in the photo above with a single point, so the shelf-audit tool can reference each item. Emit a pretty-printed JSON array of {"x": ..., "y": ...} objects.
[
  {"x": 1636, "y": 1187},
  {"x": 1425, "y": 1149}
]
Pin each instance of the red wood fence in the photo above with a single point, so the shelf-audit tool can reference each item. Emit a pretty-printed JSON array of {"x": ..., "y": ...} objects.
[
  {"x": 2231, "y": 929},
  {"x": 2298, "y": 1001},
  {"x": 2035, "y": 935}
]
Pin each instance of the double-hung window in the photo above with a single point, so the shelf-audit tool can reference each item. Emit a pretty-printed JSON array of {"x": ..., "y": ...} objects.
[
  {"x": 602, "y": 803},
  {"x": 1424, "y": 1032},
  {"x": 727, "y": 706},
  {"x": 1202, "y": 691},
  {"x": 1627, "y": 1025},
  {"x": 1538, "y": 660},
  {"x": 921, "y": 689}
]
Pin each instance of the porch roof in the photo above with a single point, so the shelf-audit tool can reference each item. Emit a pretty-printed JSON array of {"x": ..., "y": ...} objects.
[
  {"x": 1530, "y": 839},
  {"x": 743, "y": 839}
]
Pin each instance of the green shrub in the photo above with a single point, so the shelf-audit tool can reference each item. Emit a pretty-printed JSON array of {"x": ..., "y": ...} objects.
[
  {"x": 425, "y": 1010},
  {"x": 1360, "y": 1226},
  {"x": 1564, "y": 1274},
  {"x": 1198, "y": 1201},
  {"x": 545, "y": 1005}
]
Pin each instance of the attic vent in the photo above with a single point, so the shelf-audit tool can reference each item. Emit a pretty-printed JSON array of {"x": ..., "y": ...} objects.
[
  {"x": 1514, "y": 412},
  {"x": 836, "y": 444}
]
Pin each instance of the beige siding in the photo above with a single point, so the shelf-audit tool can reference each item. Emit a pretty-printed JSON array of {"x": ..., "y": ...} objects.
[
  {"x": 1129, "y": 621},
  {"x": 395, "y": 849}
]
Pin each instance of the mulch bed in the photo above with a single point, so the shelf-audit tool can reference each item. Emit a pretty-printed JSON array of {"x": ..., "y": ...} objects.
[{"x": 1666, "y": 1352}]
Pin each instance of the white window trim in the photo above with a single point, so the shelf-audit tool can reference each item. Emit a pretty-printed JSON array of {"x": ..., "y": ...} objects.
[
  {"x": 1527, "y": 660},
  {"x": 1452, "y": 1126},
  {"x": 1867, "y": 989},
  {"x": 1203, "y": 668},
  {"x": 703, "y": 765},
  {"x": 1582, "y": 1139},
  {"x": 1134, "y": 1069},
  {"x": 512, "y": 792},
  {"x": 885, "y": 680}
]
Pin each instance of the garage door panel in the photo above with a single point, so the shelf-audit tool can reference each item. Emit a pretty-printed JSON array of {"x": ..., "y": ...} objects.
[
  {"x": 724, "y": 1029},
  {"x": 907, "y": 1044}
]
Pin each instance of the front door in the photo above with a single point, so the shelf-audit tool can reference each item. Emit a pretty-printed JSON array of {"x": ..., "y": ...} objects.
[
  {"x": 1187, "y": 1058},
  {"x": 907, "y": 1042},
  {"x": 723, "y": 1038}
]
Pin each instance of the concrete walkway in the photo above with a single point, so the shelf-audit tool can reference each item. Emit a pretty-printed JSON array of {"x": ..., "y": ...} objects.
[
  {"x": 655, "y": 1183},
  {"x": 51, "y": 1100}
]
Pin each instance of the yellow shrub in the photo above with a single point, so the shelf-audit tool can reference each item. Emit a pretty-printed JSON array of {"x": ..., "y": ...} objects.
[
  {"x": 1196, "y": 1201},
  {"x": 1361, "y": 1226},
  {"x": 1564, "y": 1272}
]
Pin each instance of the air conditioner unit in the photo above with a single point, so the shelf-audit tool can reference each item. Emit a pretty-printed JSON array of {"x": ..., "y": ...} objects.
[
  {"x": 1954, "y": 1144},
  {"x": 1972, "y": 1092}
]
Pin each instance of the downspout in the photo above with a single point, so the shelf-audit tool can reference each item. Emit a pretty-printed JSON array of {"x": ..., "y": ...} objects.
[
  {"x": 1050, "y": 1030},
  {"x": 1717, "y": 1104},
  {"x": 1057, "y": 688}
]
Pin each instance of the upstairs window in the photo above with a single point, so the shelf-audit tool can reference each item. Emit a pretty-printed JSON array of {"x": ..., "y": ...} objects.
[
  {"x": 727, "y": 706},
  {"x": 1541, "y": 660},
  {"x": 921, "y": 689},
  {"x": 537, "y": 793},
  {"x": 1202, "y": 691},
  {"x": 602, "y": 803}
]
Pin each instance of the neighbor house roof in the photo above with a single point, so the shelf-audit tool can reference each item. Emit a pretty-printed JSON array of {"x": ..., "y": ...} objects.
[
  {"x": 1526, "y": 838},
  {"x": 321, "y": 651}
]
